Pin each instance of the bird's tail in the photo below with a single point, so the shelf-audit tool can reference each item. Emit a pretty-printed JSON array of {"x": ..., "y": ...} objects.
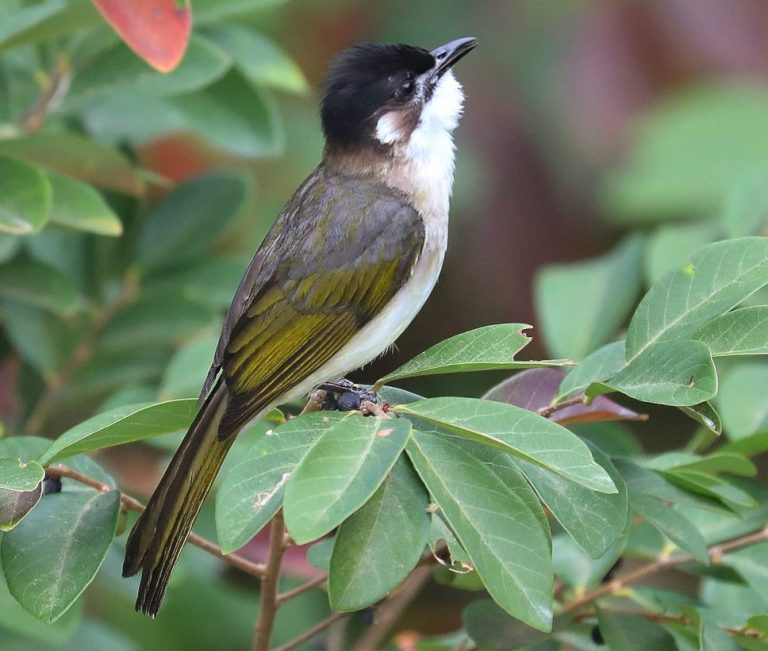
[{"x": 159, "y": 534}]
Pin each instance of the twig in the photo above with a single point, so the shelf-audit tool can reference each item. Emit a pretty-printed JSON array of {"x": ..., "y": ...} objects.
[
  {"x": 268, "y": 608},
  {"x": 388, "y": 612},
  {"x": 315, "y": 630},
  {"x": 52, "y": 92},
  {"x": 131, "y": 504},
  {"x": 80, "y": 355},
  {"x": 715, "y": 552},
  {"x": 662, "y": 618},
  {"x": 548, "y": 411},
  {"x": 290, "y": 594}
]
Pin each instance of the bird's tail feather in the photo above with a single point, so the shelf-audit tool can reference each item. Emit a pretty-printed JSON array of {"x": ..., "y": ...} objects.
[{"x": 158, "y": 536}]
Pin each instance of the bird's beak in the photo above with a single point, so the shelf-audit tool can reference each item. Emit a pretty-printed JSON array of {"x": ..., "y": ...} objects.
[{"x": 448, "y": 54}]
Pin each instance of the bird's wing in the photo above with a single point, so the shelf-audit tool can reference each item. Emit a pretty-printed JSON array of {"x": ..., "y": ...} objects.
[{"x": 339, "y": 252}]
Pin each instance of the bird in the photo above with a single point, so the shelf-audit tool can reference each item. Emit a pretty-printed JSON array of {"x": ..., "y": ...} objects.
[{"x": 347, "y": 265}]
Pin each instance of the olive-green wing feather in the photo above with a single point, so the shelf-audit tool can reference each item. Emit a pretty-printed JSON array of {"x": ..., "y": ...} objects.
[{"x": 339, "y": 252}]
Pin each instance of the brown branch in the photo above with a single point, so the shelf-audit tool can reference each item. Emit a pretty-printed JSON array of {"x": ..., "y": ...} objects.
[
  {"x": 53, "y": 88},
  {"x": 315, "y": 630},
  {"x": 268, "y": 607},
  {"x": 392, "y": 607},
  {"x": 291, "y": 594},
  {"x": 80, "y": 355},
  {"x": 548, "y": 411},
  {"x": 131, "y": 504},
  {"x": 715, "y": 552}
]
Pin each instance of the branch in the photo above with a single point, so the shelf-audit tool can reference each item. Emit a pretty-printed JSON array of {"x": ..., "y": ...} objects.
[
  {"x": 131, "y": 504},
  {"x": 268, "y": 608},
  {"x": 315, "y": 630},
  {"x": 392, "y": 607},
  {"x": 80, "y": 355},
  {"x": 715, "y": 552},
  {"x": 52, "y": 92},
  {"x": 548, "y": 411},
  {"x": 290, "y": 594}
]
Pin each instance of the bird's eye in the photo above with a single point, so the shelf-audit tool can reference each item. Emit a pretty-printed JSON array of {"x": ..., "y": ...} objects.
[{"x": 406, "y": 89}]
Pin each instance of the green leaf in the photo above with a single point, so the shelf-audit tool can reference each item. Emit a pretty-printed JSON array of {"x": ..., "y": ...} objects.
[
  {"x": 520, "y": 432},
  {"x": 675, "y": 526},
  {"x": 752, "y": 564},
  {"x": 26, "y": 18},
  {"x": 741, "y": 332},
  {"x": 78, "y": 156},
  {"x": 252, "y": 491},
  {"x": 670, "y": 246},
  {"x": 122, "y": 425},
  {"x": 494, "y": 630},
  {"x": 158, "y": 320},
  {"x": 189, "y": 219},
  {"x": 368, "y": 560},
  {"x": 700, "y": 482},
  {"x": 25, "y": 197},
  {"x": 677, "y": 373},
  {"x": 717, "y": 278},
  {"x": 211, "y": 281},
  {"x": 27, "y": 280},
  {"x": 120, "y": 71},
  {"x": 594, "y": 520},
  {"x": 746, "y": 205},
  {"x": 186, "y": 371},
  {"x": 598, "y": 366},
  {"x": 77, "y": 205},
  {"x": 582, "y": 305},
  {"x": 15, "y": 505},
  {"x": 502, "y": 536},
  {"x": 630, "y": 633},
  {"x": 484, "y": 349},
  {"x": 46, "y": 21},
  {"x": 715, "y": 463},
  {"x": 743, "y": 400},
  {"x": 340, "y": 473},
  {"x": 230, "y": 114},
  {"x": 14, "y": 619},
  {"x": 319, "y": 554},
  {"x": 20, "y": 475},
  {"x": 54, "y": 553},
  {"x": 689, "y": 151},
  {"x": 261, "y": 60},
  {"x": 705, "y": 414},
  {"x": 577, "y": 569}
]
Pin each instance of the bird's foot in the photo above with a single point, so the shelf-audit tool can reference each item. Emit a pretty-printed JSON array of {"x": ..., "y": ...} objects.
[{"x": 344, "y": 395}]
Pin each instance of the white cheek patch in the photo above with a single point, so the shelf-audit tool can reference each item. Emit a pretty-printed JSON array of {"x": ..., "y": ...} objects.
[
  {"x": 388, "y": 129},
  {"x": 444, "y": 108}
]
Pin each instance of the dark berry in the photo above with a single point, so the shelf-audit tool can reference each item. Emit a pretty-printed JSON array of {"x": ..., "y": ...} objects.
[
  {"x": 367, "y": 616},
  {"x": 51, "y": 485},
  {"x": 348, "y": 401},
  {"x": 597, "y": 636}
]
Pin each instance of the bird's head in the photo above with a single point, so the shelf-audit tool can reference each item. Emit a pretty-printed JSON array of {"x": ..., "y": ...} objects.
[{"x": 378, "y": 97}]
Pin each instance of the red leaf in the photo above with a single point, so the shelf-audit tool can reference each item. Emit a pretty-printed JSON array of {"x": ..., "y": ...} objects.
[
  {"x": 536, "y": 388},
  {"x": 156, "y": 30}
]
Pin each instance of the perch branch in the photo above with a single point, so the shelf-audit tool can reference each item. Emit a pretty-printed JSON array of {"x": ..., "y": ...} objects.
[
  {"x": 304, "y": 587},
  {"x": 315, "y": 630},
  {"x": 715, "y": 552},
  {"x": 268, "y": 608}
]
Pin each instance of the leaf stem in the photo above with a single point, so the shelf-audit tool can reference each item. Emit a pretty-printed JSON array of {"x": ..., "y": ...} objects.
[
  {"x": 715, "y": 552},
  {"x": 269, "y": 584},
  {"x": 548, "y": 411},
  {"x": 131, "y": 504}
]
